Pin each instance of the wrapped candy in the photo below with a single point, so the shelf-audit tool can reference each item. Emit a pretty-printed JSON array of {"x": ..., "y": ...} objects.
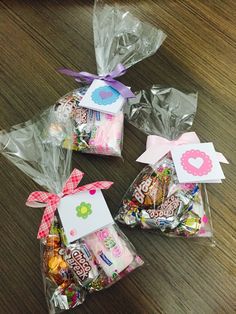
[
  {"x": 156, "y": 199},
  {"x": 94, "y": 132},
  {"x": 71, "y": 268},
  {"x": 120, "y": 41},
  {"x": 61, "y": 286}
]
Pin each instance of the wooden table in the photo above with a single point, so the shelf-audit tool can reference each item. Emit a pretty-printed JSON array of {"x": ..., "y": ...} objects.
[{"x": 37, "y": 37}]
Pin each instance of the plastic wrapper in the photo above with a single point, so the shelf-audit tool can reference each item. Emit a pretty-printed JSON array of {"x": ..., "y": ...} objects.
[
  {"x": 93, "y": 132},
  {"x": 70, "y": 270},
  {"x": 119, "y": 38},
  {"x": 156, "y": 200}
]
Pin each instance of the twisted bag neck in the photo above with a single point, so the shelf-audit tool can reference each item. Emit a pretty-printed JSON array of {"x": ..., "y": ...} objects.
[{"x": 86, "y": 77}]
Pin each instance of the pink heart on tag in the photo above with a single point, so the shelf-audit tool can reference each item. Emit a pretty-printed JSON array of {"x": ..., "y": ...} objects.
[
  {"x": 105, "y": 95},
  {"x": 196, "y": 162}
]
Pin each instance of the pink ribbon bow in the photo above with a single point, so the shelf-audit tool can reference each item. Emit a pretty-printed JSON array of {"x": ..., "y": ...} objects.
[
  {"x": 157, "y": 146},
  {"x": 51, "y": 201}
]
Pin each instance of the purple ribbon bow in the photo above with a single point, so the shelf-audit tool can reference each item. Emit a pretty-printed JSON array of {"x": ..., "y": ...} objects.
[{"x": 86, "y": 77}]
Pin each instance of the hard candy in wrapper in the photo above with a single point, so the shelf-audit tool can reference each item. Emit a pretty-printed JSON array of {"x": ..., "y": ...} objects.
[
  {"x": 62, "y": 288},
  {"x": 94, "y": 132},
  {"x": 92, "y": 263},
  {"x": 156, "y": 200}
]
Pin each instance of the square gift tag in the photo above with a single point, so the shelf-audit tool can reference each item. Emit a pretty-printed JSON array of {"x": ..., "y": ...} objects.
[
  {"x": 102, "y": 97},
  {"x": 83, "y": 213},
  {"x": 197, "y": 163}
]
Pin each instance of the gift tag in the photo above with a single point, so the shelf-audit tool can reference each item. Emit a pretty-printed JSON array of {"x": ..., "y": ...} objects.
[
  {"x": 83, "y": 213},
  {"x": 197, "y": 163},
  {"x": 102, "y": 97}
]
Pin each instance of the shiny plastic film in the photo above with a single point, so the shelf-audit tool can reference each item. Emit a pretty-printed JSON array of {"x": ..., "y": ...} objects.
[
  {"x": 119, "y": 38},
  {"x": 156, "y": 200},
  {"x": 35, "y": 147},
  {"x": 73, "y": 270},
  {"x": 70, "y": 270},
  {"x": 163, "y": 111},
  {"x": 94, "y": 132}
]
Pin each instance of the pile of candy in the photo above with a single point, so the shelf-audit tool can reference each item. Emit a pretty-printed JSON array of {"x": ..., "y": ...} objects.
[
  {"x": 156, "y": 200},
  {"x": 61, "y": 285},
  {"x": 94, "y": 132},
  {"x": 90, "y": 264}
]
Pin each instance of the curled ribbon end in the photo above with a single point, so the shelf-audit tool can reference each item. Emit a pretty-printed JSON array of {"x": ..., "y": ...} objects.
[
  {"x": 75, "y": 177},
  {"x": 60, "y": 70},
  {"x": 68, "y": 72},
  {"x": 35, "y": 204},
  {"x": 131, "y": 94},
  {"x": 41, "y": 234},
  {"x": 103, "y": 185},
  {"x": 106, "y": 185}
]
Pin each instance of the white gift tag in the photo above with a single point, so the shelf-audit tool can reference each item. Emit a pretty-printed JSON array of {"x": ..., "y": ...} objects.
[
  {"x": 83, "y": 213},
  {"x": 102, "y": 97},
  {"x": 197, "y": 163}
]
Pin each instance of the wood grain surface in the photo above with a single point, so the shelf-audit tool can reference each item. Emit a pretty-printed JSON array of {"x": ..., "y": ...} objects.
[{"x": 37, "y": 37}]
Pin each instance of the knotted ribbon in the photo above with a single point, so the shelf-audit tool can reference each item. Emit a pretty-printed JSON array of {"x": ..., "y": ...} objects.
[
  {"x": 86, "y": 77},
  {"x": 157, "y": 146},
  {"x": 51, "y": 201}
]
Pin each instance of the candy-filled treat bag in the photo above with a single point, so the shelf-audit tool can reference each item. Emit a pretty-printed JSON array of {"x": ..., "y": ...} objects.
[
  {"x": 82, "y": 249},
  {"x": 120, "y": 41},
  {"x": 93, "y": 131},
  {"x": 157, "y": 199}
]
